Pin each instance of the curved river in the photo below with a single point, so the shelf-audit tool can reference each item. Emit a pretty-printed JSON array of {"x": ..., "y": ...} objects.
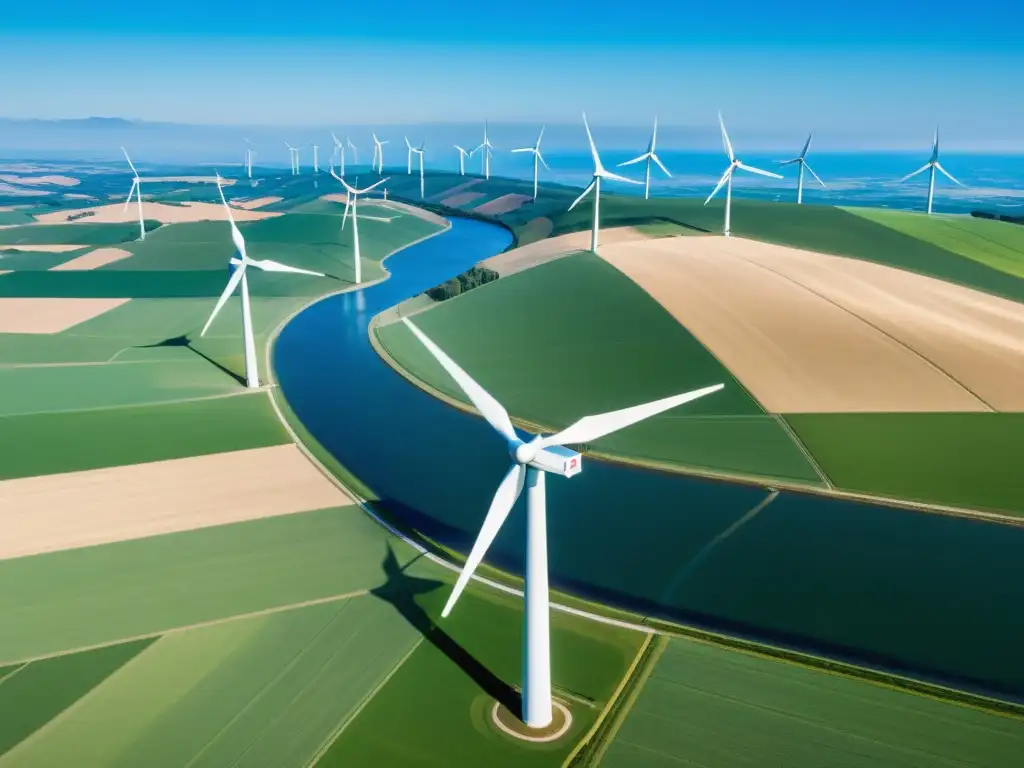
[{"x": 927, "y": 595}]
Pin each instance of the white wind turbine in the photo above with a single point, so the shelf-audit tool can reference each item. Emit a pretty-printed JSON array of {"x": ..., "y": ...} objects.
[
  {"x": 137, "y": 189},
  {"x": 419, "y": 151},
  {"x": 248, "y": 156},
  {"x": 595, "y": 184},
  {"x": 240, "y": 263},
  {"x": 463, "y": 154},
  {"x": 649, "y": 155},
  {"x": 409, "y": 149},
  {"x": 316, "y": 158},
  {"x": 340, "y": 149},
  {"x": 355, "y": 152},
  {"x": 378, "y": 154},
  {"x": 931, "y": 166},
  {"x": 802, "y": 160},
  {"x": 726, "y": 179},
  {"x": 537, "y": 160},
  {"x": 293, "y": 153},
  {"x": 532, "y": 460},
  {"x": 352, "y": 200},
  {"x": 485, "y": 159}
]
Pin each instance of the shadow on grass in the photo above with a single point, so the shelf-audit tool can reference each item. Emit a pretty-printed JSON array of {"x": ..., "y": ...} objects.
[
  {"x": 401, "y": 590},
  {"x": 183, "y": 341}
]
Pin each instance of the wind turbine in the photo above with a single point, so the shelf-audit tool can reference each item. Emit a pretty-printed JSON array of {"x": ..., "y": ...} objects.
[
  {"x": 316, "y": 159},
  {"x": 649, "y": 155},
  {"x": 419, "y": 151},
  {"x": 378, "y": 154},
  {"x": 293, "y": 153},
  {"x": 537, "y": 159},
  {"x": 248, "y": 156},
  {"x": 532, "y": 460},
  {"x": 355, "y": 152},
  {"x": 463, "y": 154},
  {"x": 137, "y": 189},
  {"x": 240, "y": 263},
  {"x": 352, "y": 200},
  {"x": 408, "y": 156},
  {"x": 931, "y": 166},
  {"x": 486, "y": 158},
  {"x": 726, "y": 179},
  {"x": 595, "y": 184},
  {"x": 802, "y": 160},
  {"x": 340, "y": 149}
]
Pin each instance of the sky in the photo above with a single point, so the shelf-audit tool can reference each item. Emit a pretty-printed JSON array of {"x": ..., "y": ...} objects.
[{"x": 883, "y": 68}]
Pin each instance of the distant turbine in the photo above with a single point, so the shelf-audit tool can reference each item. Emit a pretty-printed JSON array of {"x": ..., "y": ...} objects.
[
  {"x": 248, "y": 156},
  {"x": 294, "y": 153},
  {"x": 419, "y": 151},
  {"x": 537, "y": 160},
  {"x": 727, "y": 176},
  {"x": 532, "y": 460},
  {"x": 137, "y": 189},
  {"x": 352, "y": 199},
  {"x": 486, "y": 157},
  {"x": 378, "y": 154},
  {"x": 340, "y": 149},
  {"x": 595, "y": 184},
  {"x": 931, "y": 166},
  {"x": 408, "y": 156},
  {"x": 355, "y": 152},
  {"x": 649, "y": 156},
  {"x": 316, "y": 158},
  {"x": 802, "y": 160},
  {"x": 240, "y": 263},
  {"x": 463, "y": 154}
]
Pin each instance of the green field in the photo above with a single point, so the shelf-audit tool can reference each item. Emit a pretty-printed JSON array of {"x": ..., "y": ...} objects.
[
  {"x": 705, "y": 706},
  {"x": 36, "y": 260},
  {"x": 955, "y": 459},
  {"x": 60, "y": 234},
  {"x": 594, "y": 363}
]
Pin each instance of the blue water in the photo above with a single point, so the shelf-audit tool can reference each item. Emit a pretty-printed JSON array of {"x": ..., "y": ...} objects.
[{"x": 938, "y": 597}]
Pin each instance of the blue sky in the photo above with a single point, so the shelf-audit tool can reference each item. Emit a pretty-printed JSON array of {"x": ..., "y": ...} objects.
[{"x": 901, "y": 65}]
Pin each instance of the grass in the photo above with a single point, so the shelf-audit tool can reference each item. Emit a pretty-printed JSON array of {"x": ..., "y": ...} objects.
[
  {"x": 446, "y": 715},
  {"x": 83, "y": 597},
  {"x": 996, "y": 244},
  {"x": 59, "y": 234},
  {"x": 606, "y": 345},
  {"x": 956, "y": 459},
  {"x": 50, "y": 443},
  {"x": 716, "y": 708},
  {"x": 36, "y": 260},
  {"x": 262, "y": 691},
  {"x": 43, "y": 689}
]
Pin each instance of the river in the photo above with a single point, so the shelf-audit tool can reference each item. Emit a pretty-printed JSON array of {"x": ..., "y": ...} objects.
[{"x": 927, "y": 595}]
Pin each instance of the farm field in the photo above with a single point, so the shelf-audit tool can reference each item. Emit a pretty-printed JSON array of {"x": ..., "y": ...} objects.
[{"x": 715, "y": 708}]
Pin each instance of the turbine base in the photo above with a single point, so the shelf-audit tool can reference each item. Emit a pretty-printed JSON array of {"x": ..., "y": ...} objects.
[{"x": 510, "y": 723}]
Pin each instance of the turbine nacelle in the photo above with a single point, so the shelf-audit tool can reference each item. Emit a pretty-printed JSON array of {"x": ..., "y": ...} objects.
[{"x": 554, "y": 459}]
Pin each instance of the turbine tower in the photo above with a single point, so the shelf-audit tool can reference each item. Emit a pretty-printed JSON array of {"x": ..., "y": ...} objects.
[
  {"x": 293, "y": 153},
  {"x": 650, "y": 155},
  {"x": 485, "y": 159},
  {"x": 352, "y": 200},
  {"x": 137, "y": 189},
  {"x": 726, "y": 179},
  {"x": 419, "y": 151},
  {"x": 532, "y": 460},
  {"x": 239, "y": 264},
  {"x": 595, "y": 184},
  {"x": 537, "y": 160},
  {"x": 340, "y": 149},
  {"x": 378, "y": 154},
  {"x": 802, "y": 160},
  {"x": 316, "y": 158},
  {"x": 248, "y": 156},
  {"x": 463, "y": 154},
  {"x": 931, "y": 166},
  {"x": 409, "y": 149}
]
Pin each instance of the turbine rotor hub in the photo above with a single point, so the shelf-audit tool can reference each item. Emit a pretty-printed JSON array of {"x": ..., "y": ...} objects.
[{"x": 524, "y": 453}]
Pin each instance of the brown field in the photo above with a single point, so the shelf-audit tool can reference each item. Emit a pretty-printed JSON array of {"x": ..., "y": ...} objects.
[
  {"x": 541, "y": 251},
  {"x": 412, "y": 210},
  {"x": 456, "y": 189},
  {"x": 259, "y": 202},
  {"x": 51, "y": 315},
  {"x": 504, "y": 204},
  {"x": 13, "y": 207},
  {"x": 335, "y": 197},
  {"x": 805, "y": 332},
  {"x": 48, "y": 248},
  {"x": 81, "y": 509},
  {"x": 28, "y": 181},
  {"x": 191, "y": 180},
  {"x": 93, "y": 259},
  {"x": 167, "y": 214},
  {"x": 462, "y": 198}
]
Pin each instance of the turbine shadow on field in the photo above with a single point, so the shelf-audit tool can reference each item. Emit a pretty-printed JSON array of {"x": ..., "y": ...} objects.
[
  {"x": 183, "y": 341},
  {"x": 401, "y": 590}
]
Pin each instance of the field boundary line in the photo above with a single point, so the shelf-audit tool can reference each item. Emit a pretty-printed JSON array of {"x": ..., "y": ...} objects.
[
  {"x": 336, "y": 734},
  {"x": 582, "y": 743},
  {"x": 121, "y": 406},
  {"x": 795, "y": 438},
  {"x": 9, "y": 675},
  {"x": 197, "y": 625}
]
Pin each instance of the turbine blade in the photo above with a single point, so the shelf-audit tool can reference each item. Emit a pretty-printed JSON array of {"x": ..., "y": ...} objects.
[
  {"x": 375, "y": 184},
  {"x": 788, "y": 162},
  {"x": 591, "y": 428},
  {"x": 725, "y": 138},
  {"x": 542, "y": 161},
  {"x": 585, "y": 192},
  {"x": 615, "y": 177},
  {"x": 752, "y": 169},
  {"x": 634, "y": 160},
  {"x": 524, "y": 149},
  {"x": 807, "y": 145},
  {"x": 661, "y": 165},
  {"x": 540, "y": 137},
  {"x": 811, "y": 171},
  {"x": 912, "y": 175},
  {"x": 593, "y": 148},
  {"x": 501, "y": 505},
  {"x": 493, "y": 411},
  {"x": 272, "y": 266},
  {"x": 236, "y": 278},
  {"x": 344, "y": 218},
  {"x": 721, "y": 183},
  {"x": 130, "y": 193},
  {"x": 130, "y": 162},
  {"x": 948, "y": 175}
]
